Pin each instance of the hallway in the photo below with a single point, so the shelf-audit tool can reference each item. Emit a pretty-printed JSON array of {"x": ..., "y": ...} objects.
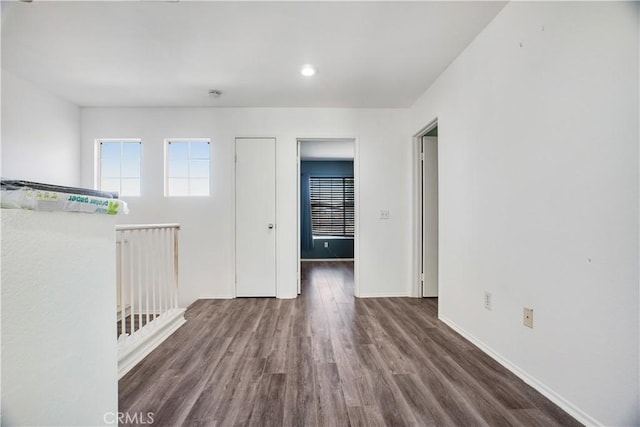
[{"x": 323, "y": 359}]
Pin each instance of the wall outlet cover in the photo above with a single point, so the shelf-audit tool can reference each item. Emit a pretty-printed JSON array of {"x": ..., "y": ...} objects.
[
  {"x": 326, "y": 244},
  {"x": 384, "y": 214},
  {"x": 488, "y": 300},
  {"x": 528, "y": 317}
]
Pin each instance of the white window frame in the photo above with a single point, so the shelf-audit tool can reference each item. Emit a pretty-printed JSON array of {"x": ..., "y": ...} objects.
[
  {"x": 97, "y": 181},
  {"x": 168, "y": 141}
]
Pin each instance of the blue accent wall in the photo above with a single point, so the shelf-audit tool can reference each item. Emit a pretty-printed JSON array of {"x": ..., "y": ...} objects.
[
  {"x": 338, "y": 248},
  {"x": 327, "y": 168}
]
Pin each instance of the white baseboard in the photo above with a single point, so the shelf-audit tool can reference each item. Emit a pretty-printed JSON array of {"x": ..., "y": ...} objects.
[
  {"x": 216, "y": 297},
  {"x": 385, "y": 295},
  {"x": 325, "y": 259},
  {"x": 149, "y": 338},
  {"x": 564, "y": 404}
]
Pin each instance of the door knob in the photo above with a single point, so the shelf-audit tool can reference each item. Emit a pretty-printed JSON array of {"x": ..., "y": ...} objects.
[{"x": 270, "y": 226}]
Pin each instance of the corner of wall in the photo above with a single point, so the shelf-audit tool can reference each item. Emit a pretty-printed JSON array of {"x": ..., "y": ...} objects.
[{"x": 40, "y": 133}]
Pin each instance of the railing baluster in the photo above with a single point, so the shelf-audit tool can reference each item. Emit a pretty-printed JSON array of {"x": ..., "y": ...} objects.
[
  {"x": 169, "y": 267},
  {"x": 132, "y": 244},
  {"x": 121, "y": 280},
  {"x": 154, "y": 270},
  {"x": 175, "y": 268},
  {"x": 148, "y": 271},
  {"x": 141, "y": 277},
  {"x": 162, "y": 246},
  {"x": 158, "y": 272},
  {"x": 169, "y": 260}
]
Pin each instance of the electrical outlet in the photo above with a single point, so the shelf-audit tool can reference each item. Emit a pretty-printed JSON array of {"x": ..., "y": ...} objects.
[
  {"x": 384, "y": 214},
  {"x": 487, "y": 300},
  {"x": 528, "y": 317},
  {"x": 326, "y": 244}
]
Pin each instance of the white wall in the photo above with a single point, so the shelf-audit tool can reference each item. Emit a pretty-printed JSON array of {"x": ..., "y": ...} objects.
[
  {"x": 538, "y": 134},
  {"x": 59, "y": 352},
  {"x": 40, "y": 134},
  {"x": 207, "y": 236},
  {"x": 327, "y": 150}
]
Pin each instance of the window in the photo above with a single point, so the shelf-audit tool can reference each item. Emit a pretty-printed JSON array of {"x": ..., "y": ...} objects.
[
  {"x": 119, "y": 167},
  {"x": 187, "y": 162},
  {"x": 332, "y": 206}
]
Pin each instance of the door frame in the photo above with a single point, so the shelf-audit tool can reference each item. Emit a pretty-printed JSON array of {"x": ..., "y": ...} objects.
[
  {"x": 417, "y": 211},
  {"x": 356, "y": 189}
]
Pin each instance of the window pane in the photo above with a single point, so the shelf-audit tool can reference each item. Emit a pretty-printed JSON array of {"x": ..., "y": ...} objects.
[
  {"x": 178, "y": 187},
  {"x": 130, "y": 168},
  {"x": 110, "y": 150},
  {"x": 131, "y": 159},
  {"x": 110, "y": 167},
  {"x": 199, "y": 150},
  {"x": 178, "y": 150},
  {"x": 111, "y": 184},
  {"x": 130, "y": 187},
  {"x": 131, "y": 149},
  {"x": 178, "y": 168},
  {"x": 199, "y": 169},
  {"x": 199, "y": 187}
]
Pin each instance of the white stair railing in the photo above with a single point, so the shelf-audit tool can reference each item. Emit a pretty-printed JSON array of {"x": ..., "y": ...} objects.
[{"x": 147, "y": 289}]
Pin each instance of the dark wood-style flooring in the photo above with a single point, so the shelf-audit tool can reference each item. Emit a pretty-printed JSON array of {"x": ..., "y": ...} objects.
[{"x": 327, "y": 359}]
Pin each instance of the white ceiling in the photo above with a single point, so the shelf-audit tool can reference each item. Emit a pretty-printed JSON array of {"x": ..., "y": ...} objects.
[{"x": 369, "y": 54}]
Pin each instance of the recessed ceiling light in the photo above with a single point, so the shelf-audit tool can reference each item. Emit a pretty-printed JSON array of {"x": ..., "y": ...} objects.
[{"x": 308, "y": 70}]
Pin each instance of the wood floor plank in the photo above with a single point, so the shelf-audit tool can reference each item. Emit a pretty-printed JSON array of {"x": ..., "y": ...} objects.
[
  {"x": 427, "y": 410},
  {"x": 535, "y": 418},
  {"x": 365, "y": 416},
  {"x": 269, "y": 404},
  {"x": 331, "y": 406},
  {"x": 300, "y": 397},
  {"x": 234, "y": 410},
  {"x": 393, "y": 407},
  {"x": 327, "y": 359}
]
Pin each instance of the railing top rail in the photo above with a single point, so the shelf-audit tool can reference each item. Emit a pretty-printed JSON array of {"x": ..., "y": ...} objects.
[{"x": 125, "y": 227}]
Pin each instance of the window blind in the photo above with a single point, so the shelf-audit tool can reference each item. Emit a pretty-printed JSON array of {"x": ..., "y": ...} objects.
[{"x": 332, "y": 206}]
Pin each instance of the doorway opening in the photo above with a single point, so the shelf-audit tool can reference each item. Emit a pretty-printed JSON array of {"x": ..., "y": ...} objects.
[
  {"x": 327, "y": 209},
  {"x": 427, "y": 224}
]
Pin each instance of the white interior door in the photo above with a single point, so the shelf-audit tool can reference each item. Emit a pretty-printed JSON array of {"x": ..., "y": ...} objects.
[
  {"x": 255, "y": 217},
  {"x": 430, "y": 216}
]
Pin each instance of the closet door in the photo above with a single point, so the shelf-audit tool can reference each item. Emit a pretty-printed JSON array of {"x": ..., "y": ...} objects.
[{"x": 255, "y": 217}]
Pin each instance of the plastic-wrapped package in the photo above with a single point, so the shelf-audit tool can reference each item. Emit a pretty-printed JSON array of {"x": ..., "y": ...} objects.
[{"x": 24, "y": 197}]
